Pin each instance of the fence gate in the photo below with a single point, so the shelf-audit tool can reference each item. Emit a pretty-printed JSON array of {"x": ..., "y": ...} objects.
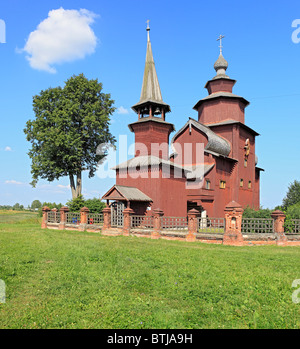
[{"x": 117, "y": 209}]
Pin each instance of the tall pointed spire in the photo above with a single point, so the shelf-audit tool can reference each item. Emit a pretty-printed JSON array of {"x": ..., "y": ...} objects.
[{"x": 151, "y": 102}]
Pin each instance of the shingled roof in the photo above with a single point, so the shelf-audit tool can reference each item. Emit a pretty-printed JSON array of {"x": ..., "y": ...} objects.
[
  {"x": 215, "y": 143},
  {"x": 122, "y": 192}
]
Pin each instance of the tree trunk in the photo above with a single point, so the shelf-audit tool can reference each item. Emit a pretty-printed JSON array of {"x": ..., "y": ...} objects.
[{"x": 76, "y": 189}]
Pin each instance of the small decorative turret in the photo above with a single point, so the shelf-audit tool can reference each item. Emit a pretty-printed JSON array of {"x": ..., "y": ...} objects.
[{"x": 221, "y": 64}]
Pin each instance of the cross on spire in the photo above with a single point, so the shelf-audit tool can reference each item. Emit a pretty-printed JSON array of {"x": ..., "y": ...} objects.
[
  {"x": 220, "y": 39},
  {"x": 148, "y": 30}
]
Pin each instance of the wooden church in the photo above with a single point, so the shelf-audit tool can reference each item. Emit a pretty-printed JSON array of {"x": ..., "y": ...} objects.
[{"x": 178, "y": 181}]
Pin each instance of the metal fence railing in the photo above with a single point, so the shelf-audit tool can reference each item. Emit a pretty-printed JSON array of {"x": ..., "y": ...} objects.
[
  {"x": 175, "y": 223},
  {"x": 257, "y": 225},
  {"x": 211, "y": 225}
]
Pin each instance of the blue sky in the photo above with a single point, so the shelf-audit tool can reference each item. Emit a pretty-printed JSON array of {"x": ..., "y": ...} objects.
[{"x": 258, "y": 46}]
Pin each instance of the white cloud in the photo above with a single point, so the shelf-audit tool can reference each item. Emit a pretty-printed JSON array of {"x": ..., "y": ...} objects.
[
  {"x": 7, "y": 148},
  {"x": 63, "y": 186},
  {"x": 12, "y": 181},
  {"x": 64, "y": 36},
  {"x": 122, "y": 110}
]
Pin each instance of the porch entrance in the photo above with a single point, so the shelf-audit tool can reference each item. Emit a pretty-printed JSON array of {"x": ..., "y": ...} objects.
[{"x": 117, "y": 209}]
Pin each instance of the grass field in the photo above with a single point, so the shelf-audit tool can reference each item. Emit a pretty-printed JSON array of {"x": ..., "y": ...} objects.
[
  {"x": 64, "y": 279},
  {"x": 18, "y": 216}
]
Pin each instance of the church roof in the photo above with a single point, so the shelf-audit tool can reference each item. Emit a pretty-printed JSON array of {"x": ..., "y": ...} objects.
[
  {"x": 215, "y": 143},
  {"x": 220, "y": 94},
  {"x": 229, "y": 122},
  {"x": 153, "y": 118},
  {"x": 122, "y": 192},
  {"x": 151, "y": 92},
  {"x": 196, "y": 171},
  {"x": 145, "y": 161}
]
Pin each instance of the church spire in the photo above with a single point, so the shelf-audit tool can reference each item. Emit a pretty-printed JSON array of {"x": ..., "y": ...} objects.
[{"x": 151, "y": 102}]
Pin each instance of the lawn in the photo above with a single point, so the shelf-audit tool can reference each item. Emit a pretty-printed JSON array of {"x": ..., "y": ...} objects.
[
  {"x": 9, "y": 216},
  {"x": 64, "y": 279}
]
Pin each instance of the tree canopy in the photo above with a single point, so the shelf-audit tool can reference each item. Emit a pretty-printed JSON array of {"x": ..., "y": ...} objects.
[
  {"x": 69, "y": 124},
  {"x": 293, "y": 195}
]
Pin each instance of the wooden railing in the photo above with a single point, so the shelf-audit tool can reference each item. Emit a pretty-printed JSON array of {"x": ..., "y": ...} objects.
[
  {"x": 174, "y": 223},
  {"x": 211, "y": 225},
  {"x": 95, "y": 219},
  {"x": 53, "y": 217},
  {"x": 143, "y": 222},
  {"x": 296, "y": 226},
  {"x": 72, "y": 218},
  {"x": 257, "y": 225}
]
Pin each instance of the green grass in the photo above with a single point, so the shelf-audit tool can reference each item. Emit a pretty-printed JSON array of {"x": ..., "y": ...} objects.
[
  {"x": 9, "y": 216},
  {"x": 64, "y": 279}
]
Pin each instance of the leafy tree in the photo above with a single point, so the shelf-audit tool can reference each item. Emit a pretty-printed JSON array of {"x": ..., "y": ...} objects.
[
  {"x": 36, "y": 204},
  {"x": 70, "y": 123},
  {"x": 261, "y": 213},
  {"x": 16, "y": 206},
  {"x": 294, "y": 211},
  {"x": 94, "y": 205},
  {"x": 76, "y": 204},
  {"x": 51, "y": 205},
  {"x": 293, "y": 195}
]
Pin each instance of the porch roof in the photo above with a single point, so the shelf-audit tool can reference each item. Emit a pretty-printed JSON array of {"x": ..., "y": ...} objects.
[{"x": 124, "y": 193}]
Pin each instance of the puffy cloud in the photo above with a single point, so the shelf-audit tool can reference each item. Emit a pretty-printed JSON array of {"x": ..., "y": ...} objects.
[
  {"x": 64, "y": 36},
  {"x": 12, "y": 181},
  {"x": 122, "y": 110},
  {"x": 7, "y": 148},
  {"x": 63, "y": 186}
]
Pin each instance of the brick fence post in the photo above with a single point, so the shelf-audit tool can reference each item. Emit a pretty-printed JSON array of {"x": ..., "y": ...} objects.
[
  {"x": 63, "y": 217},
  {"x": 127, "y": 221},
  {"x": 157, "y": 214},
  {"x": 279, "y": 218},
  {"x": 193, "y": 215},
  {"x": 106, "y": 218},
  {"x": 233, "y": 225},
  {"x": 45, "y": 211},
  {"x": 84, "y": 211}
]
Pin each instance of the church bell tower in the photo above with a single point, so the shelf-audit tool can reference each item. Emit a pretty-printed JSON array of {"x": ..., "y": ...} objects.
[{"x": 151, "y": 129}]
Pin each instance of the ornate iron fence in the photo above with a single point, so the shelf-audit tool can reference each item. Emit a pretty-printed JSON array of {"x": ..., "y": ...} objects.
[
  {"x": 257, "y": 225},
  {"x": 296, "y": 226},
  {"x": 72, "y": 218},
  {"x": 174, "y": 223},
  {"x": 95, "y": 218},
  {"x": 211, "y": 225},
  {"x": 142, "y": 222},
  {"x": 53, "y": 217}
]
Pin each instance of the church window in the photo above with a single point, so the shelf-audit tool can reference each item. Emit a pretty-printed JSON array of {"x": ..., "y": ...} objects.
[
  {"x": 207, "y": 184},
  {"x": 249, "y": 184},
  {"x": 222, "y": 184},
  {"x": 241, "y": 182}
]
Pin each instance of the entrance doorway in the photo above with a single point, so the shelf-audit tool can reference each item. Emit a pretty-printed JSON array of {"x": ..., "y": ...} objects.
[{"x": 117, "y": 208}]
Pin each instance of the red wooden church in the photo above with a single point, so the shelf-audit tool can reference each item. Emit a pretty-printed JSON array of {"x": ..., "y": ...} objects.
[{"x": 154, "y": 178}]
